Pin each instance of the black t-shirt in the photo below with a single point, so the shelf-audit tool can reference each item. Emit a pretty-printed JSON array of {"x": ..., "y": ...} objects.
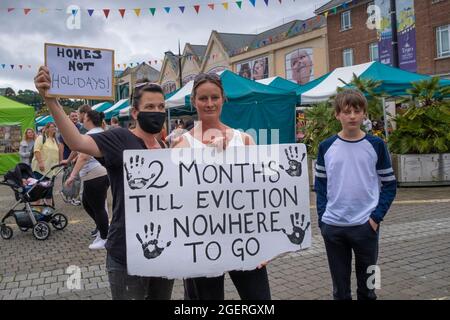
[{"x": 112, "y": 143}]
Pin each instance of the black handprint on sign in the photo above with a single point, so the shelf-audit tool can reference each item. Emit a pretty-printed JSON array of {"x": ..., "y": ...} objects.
[
  {"x": 139, "y": 174},
  {"x": 298, "y": 234},
  {"x": 150, "y": 248},
  {"x": 295, "y": 166}
]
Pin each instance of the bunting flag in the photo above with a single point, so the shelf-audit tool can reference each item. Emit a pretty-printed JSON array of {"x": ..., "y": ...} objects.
[
  {"x": 326, "y": 14},
  {"x": 3, "y": 66},
  {"x": 122, "y": 11}
]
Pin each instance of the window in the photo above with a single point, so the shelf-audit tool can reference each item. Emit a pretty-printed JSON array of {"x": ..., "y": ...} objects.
[
  {"x": 373, "y": 51},
  {"x": 346, "y": 20},
  {"x": 443, "y": 41},
  {"x": 348, "y": 57}
]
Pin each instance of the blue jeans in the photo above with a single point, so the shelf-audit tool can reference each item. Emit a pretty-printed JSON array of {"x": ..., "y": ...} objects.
[
  {"x": 126, "y": 287},
  {"x": 339, "y": 243}
]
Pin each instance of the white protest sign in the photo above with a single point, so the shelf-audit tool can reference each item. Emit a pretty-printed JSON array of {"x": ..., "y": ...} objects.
[
  {"x": 79, "y": 72},
  {"x": 199, "y": 212}
]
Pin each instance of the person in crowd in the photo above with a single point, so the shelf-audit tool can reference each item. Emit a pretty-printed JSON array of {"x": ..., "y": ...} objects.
[
  {"x": 46, "y": 155},
  {"x": 114, "y": 123},
  {"x": 95, "y": 182},
  {"x": 26, "y": 149},
  {"x": 208, "y": 97},
  {"x": 148, "y": 111},
  {"x": 355, "y": 186}
]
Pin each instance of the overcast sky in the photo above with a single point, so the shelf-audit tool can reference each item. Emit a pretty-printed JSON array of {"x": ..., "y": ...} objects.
[{"x": 134, "y": 39}]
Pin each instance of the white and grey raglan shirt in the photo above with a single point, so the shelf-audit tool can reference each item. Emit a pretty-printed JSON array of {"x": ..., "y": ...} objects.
[{"x": 354, "y": 181}]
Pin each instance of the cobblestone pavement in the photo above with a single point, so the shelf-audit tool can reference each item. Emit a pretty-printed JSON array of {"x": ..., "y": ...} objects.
[{"x": 414, "y": 256}]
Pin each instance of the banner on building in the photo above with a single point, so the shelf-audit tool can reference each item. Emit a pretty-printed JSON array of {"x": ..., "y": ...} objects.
[
  {"x": 300, "y": 66},
  {"x": 406, "y": 34},
  {"x": 406, "y": 30},
  {"x": 255, "y": 69}
]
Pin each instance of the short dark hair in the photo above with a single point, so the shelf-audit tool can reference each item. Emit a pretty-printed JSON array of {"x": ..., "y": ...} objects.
[
  {"x": 352, "y": 98},
  {"x": 84, "y": 108},
  {"x": 142, "y": 86},
  {"x": 96, "y": 117}
]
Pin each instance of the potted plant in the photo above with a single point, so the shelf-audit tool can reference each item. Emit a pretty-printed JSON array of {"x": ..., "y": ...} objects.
[{"x": 421, "y": 143}]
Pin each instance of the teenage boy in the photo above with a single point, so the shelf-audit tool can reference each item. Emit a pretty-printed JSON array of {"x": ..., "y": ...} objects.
[{"x": 355, "y": 186}]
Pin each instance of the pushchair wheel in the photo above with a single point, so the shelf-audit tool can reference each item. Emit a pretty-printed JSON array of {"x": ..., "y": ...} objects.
[
  {"x": 59, "y": 221},
  {"x": 6, "y": 232},
  {"x": 41, "y": 230}
]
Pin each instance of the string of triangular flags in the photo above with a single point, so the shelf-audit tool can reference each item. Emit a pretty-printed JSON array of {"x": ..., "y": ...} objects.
[
  {"x": 344, "y": 5},
  {"x": 119, "y": 66},
  {"x": 138, "y": 11}
]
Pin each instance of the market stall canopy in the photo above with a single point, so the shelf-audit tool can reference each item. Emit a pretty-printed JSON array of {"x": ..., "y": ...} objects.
[
  {"x": 102, "y": 106},
  {"x": 13, "y": 114},
  {"x": 395, "y": 82},
  {"x": 115, "y": 108}
]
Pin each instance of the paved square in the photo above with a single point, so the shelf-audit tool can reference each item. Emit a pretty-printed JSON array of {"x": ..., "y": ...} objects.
[{"x": 414, "y": 256}]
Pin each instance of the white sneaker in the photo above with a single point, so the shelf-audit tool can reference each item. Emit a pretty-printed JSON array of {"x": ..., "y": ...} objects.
[{"x": 98, "y": 243}]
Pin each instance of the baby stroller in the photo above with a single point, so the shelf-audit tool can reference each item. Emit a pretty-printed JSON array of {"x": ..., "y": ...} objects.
[{"x": 35, "y": 217}]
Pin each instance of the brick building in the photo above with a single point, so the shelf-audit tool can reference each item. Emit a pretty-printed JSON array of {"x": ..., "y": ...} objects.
[{"x": 351, "y": 42}]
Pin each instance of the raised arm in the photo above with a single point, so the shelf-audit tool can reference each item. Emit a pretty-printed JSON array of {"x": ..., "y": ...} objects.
[{"x": 70, "y": 133}]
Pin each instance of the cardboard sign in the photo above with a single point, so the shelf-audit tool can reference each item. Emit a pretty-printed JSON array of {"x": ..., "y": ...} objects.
[
  {"x": 78, "y": 72},
  {"x": 198, "y": 212}
]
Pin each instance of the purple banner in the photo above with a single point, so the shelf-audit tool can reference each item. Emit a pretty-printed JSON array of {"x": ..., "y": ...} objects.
[
  {"x": 406, "y": 25},
  {"x": 385, "y": 32}
]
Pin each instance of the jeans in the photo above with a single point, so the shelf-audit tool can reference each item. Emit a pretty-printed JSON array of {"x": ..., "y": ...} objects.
[
  {"x": 339, "y": 244},
  {"x": 126, "y": 287}
]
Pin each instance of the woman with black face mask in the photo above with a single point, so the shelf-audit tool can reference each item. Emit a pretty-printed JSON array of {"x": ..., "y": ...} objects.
[{"x": 148, "y": 111}]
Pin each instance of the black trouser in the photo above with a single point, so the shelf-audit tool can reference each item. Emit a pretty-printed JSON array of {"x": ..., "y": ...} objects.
[
  {"x": 126, "y": 287},
  {"x": 94, "y": 197},
  {"x": 339, "y": 243},
  {"x": 251, "y": 285}
]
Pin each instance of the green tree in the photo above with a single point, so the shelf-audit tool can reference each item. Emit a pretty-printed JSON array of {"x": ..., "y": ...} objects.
[{"x": 424, "y": 127}]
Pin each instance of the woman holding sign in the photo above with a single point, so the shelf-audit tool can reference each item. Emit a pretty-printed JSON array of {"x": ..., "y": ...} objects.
[
  {"x": 208, "y": 98},
  {"x": 148, "y": 110}
]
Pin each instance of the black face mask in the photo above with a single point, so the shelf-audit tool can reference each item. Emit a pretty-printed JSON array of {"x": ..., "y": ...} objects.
[{"x": 151, "y": 122}]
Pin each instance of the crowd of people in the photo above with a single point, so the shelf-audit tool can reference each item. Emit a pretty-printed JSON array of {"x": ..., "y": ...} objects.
[{"x": 345, "y": 226}]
